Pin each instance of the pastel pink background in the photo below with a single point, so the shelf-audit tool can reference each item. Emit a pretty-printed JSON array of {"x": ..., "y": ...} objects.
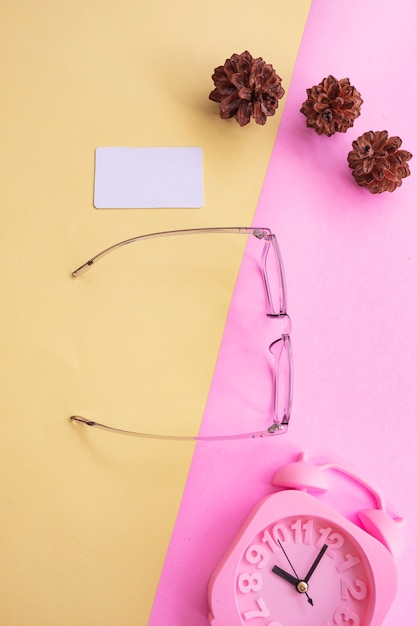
[{"x": 351, "y": 266}]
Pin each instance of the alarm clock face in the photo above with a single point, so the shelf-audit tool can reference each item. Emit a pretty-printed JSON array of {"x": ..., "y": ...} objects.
[{"x": 303, "y": 571}]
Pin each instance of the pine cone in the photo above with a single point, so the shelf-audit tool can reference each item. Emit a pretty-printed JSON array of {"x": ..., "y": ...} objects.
[
  {"x": 246, "y": 87},
  {"x": 377, "y": 162},
  {"x": 332, "y": 106}
]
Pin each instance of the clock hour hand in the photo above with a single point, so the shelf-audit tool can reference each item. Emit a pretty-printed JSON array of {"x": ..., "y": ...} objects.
[
  {"x": 316, "y": 562},
  {"x": 285, "y": 575}
]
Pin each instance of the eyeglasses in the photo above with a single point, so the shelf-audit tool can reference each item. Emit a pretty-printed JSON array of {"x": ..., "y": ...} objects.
[{"x": 273, "y": 278}]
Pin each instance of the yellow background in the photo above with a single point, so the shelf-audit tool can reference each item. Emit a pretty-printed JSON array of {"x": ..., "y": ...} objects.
[{"x": 86, "y": 516}]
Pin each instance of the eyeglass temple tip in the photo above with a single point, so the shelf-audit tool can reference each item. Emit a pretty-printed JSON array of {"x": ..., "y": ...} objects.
[
  {"x": 83, "y": 420},
  {"x": 82, "y": 269}
]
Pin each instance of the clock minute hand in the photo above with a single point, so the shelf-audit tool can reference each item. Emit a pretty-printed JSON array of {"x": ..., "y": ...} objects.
[{"x": 316, "y": 562}]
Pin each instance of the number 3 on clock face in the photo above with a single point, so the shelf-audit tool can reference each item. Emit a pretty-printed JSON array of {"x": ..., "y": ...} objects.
[{"x": 296, "y": 562}]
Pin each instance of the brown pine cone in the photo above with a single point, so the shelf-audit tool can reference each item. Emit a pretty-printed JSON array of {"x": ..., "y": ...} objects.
[
  {"x": 332, "y": 106},
  {"x": 377, "y": 162},
  {"x": 246, "y": 87}
]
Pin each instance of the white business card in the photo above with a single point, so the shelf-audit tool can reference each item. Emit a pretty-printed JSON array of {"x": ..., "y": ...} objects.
[{"x": 148, "y": 178}]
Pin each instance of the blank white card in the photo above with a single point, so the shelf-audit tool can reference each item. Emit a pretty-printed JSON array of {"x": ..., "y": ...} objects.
[{"x": 148, "y": 178}]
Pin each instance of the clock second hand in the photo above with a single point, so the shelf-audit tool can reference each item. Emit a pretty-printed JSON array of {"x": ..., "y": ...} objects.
[{"x": 304, "y": 587}]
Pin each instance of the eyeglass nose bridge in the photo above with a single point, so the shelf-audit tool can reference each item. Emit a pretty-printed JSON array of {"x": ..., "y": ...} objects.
[{"x": 284, "y": 320}]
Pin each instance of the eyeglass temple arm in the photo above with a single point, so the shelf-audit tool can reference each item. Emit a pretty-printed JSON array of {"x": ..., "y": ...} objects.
[
  {"x": 259, "y": 233},
  {"x": 274, "y": 429}
]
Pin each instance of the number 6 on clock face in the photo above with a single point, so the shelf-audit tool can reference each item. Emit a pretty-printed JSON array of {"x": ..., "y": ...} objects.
[{"x": 296, "y": 562}]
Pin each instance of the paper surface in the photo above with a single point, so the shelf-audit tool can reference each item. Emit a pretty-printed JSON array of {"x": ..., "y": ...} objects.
[{"x": 153, "y": 178}]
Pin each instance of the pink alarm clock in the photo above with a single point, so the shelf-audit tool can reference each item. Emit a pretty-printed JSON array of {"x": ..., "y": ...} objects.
[{"x": 298, "y": 562}]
